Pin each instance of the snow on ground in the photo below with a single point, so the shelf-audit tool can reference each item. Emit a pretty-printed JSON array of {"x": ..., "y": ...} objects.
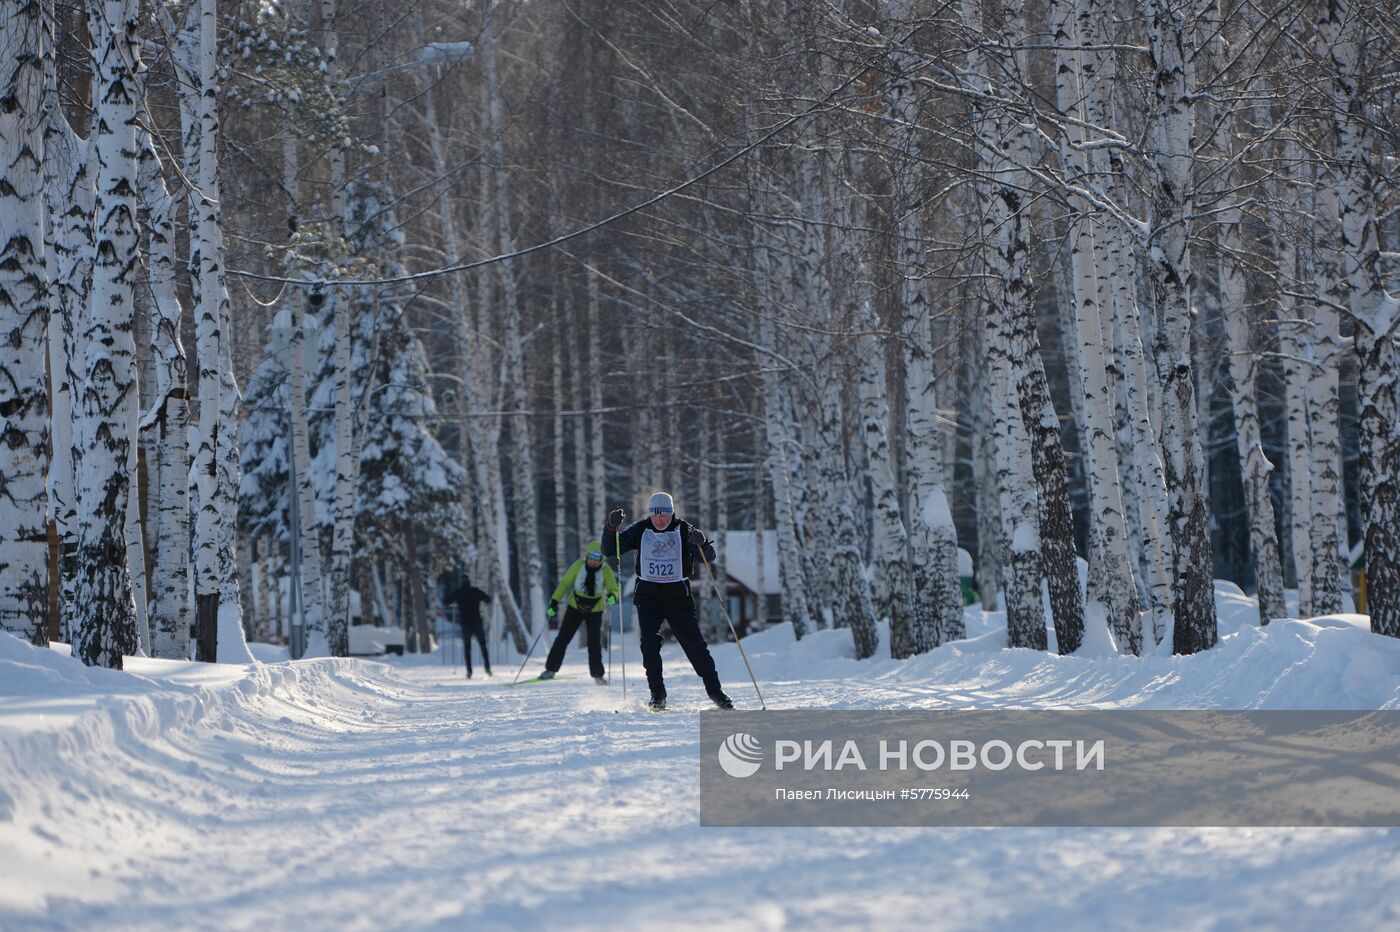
[{"x": 355, "y": 794}]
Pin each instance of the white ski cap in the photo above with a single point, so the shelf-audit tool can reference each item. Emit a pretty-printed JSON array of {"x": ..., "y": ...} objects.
[{"x": 661, "y": 503}]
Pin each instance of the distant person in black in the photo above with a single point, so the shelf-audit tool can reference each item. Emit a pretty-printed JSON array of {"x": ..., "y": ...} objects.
[
  {"x": 469, "y": 600},
  {"x": 666, "y": 550}
]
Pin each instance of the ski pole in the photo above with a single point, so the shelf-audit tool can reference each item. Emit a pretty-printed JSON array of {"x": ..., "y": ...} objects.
[
  {"x": 527, "y": 656},
  {"x": 714, "y": 587}
]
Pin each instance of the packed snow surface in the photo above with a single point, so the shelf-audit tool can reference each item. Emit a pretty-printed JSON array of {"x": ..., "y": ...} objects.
[{"x": 362, "y": 795}]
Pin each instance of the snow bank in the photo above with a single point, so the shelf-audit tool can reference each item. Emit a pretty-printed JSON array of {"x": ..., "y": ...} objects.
[
  {"x": 1332, "y": 662},
  {"x": 64, "y": 726},
  {"x": 356, "y": 794}
]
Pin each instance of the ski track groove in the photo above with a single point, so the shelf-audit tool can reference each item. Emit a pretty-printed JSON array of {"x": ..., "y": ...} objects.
[{"x": 406, "y": 796}]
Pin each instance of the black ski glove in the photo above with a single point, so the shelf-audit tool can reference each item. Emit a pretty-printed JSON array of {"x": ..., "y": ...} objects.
[
  {"x": 615, "y": 518},
  {"x": 697, "y": 538}
]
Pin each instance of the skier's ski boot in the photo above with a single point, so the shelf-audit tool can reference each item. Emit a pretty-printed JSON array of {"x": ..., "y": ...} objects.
[
  {"x": 601, "y": 680},
  {"x": 547, "y": 675},
  {"x": 657, "y": 704},
  {"x": 720, "y": 699}
]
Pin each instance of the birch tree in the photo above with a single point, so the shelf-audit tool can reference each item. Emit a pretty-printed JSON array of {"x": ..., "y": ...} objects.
[
  {"x": 68, "y": 197},
  {"x": 24, "y": 429},
  {"x": 1172, "y": 204},
  {"x": 890, "y": 547},
  {"x": 933, "y": 543},
  {"x": 526, "y": 523},
  {"x": 1321, "y": 265},
  {"x": 1243, "y": 356},
  {"x": 1111, "y": 584},
  {"x": 105, "y": 623},
  {"x": 1296, "y": 337},
  {"x": 1345, "y": 34},
  {"x": 167, "y": 422}
]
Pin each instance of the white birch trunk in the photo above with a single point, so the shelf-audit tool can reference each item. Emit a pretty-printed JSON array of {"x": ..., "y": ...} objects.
[
  {"x": 312, "y": 589},
  {"x": 1004, "y": 253},
  {"x": 1111, "y": 583},
  {"x": 936, "y": 610},
  {"x": 24, "y": 418},
  {"x": 890, "y": 548},
  {"x": 779, "y": 433},
  {"x": 1194, "y": 622},
  {"x": 560, "y": 487},
  {"x": 579, "y": 433},
  {"x": 198, "y": 50},
  {"x": 343, "y": 315},
  {"x": 816, "y": 300},
  {"x": 705, "y": 516},
  {"x": 1323, "y": 268},
  {"x": 760, "y": 520},
  {"x": 1296, "y": 340},
  {"x": 1020, "y": 555},
  {"x": 990, "y": 537},
  {"x": 526, "y": 524},
  {"x": 105, "y": 623},
  {"x": 852, "y": 605},
  {"x": 167, "y": 419},
  {"x": 68, "y": 196},
  {"x": 1116, "y": 293},
  {"x": 596, "y": 419},
  {"x": 135, "y": 544},
  {"x": 232, "y": 634},
  {"x": 1375, "y": 312},
  {"x": 721, "y": 578},
  {"x": 309, "y": 594},
  {"x": 1263, "y": 539}
]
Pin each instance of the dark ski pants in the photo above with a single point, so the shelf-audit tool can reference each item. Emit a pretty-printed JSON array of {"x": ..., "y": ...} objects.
[
  {"x": 685, "y": 625},
  {"x": 568, "y": 627},
  {"x": 475, "y": 629}
]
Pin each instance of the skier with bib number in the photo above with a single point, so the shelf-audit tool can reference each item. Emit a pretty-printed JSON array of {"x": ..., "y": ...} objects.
[
  {"x": 666, "y": 549},
  {"x": 589, "y": 582}
]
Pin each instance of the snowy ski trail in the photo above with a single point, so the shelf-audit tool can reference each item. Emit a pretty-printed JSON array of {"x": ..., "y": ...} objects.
[{"x": 357, "y": 795}]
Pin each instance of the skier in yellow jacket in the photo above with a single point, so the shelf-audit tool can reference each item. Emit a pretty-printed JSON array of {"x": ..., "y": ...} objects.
[{"x": 590, "y": 586}]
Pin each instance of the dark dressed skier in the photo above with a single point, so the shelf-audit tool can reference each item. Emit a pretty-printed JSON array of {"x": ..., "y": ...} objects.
[
  {"x": 667, "y": 548},
  {"x": 469, "y": 600},
  {"x": 587, "y": 585}
]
